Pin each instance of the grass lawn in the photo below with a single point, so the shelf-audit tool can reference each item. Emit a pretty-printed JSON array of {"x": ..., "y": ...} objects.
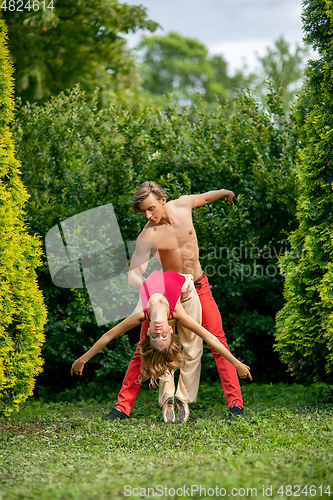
[{"x": 282, "y": 448}]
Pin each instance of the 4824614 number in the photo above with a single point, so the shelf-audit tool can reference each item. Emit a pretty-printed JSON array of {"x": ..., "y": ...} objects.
[
  {"x": 22, "y": 5},
  {"x": 299, "y": 491}
]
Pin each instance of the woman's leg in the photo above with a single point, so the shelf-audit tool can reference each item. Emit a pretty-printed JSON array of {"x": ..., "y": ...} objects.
[{"x": 189, "y": 377}]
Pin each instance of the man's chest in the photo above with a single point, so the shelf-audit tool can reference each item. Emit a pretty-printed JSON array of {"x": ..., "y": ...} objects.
[{"x": 174, "y": 236}]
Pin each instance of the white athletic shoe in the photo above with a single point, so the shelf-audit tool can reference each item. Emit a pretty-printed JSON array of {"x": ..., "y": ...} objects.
[
  {"x": 183, "y": 410},
  {"x": 168, "y": 411}
]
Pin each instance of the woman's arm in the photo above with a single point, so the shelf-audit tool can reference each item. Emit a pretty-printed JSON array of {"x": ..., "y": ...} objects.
[
  {"x": 185, "y": 320},
  {"x": 127, "y": 324}
]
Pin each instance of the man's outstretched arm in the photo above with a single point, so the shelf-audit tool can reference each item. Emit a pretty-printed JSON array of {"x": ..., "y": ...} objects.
[
  {"x": 198, "y": 200},
  {"x": 139, "y": 263}
]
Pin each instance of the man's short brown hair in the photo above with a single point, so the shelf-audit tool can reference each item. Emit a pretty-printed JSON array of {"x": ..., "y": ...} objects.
[{"x": 144, "y": 190}]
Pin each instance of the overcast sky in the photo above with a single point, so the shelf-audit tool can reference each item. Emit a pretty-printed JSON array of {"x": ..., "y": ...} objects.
[{"x": 233, "y": 28}]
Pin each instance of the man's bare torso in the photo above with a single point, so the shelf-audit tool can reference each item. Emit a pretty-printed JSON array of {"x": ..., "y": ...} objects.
[{"x": 176, "y": 241}]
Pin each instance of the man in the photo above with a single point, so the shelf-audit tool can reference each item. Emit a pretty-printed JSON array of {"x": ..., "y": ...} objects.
[{"x": 170, "y": 236}]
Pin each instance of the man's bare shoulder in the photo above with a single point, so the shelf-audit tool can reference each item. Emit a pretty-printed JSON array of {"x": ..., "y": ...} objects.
[
  {"x": 147, "y": 233},
  {"x": 182, "y": 201}
]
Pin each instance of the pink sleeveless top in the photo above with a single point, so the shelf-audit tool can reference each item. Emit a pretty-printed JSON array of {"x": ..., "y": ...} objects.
[{"x": 169, "y": 284}]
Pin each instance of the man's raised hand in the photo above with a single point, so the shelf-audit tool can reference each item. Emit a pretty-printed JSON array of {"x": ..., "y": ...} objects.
[{"x": 230, "y": 197}]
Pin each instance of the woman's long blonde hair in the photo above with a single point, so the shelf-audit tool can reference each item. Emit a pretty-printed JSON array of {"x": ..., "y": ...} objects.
[{"x": 155, "y": 362}]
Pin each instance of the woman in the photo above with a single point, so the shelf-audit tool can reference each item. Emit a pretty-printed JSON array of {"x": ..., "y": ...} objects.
[{"x": 160, "y": 301}]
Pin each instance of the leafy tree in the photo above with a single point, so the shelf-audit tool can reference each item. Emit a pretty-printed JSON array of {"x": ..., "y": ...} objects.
[
  {"x": 305, "y": 323},
  {"x": 284, "y": 67},
  {"x": 231, "y": 83},
  {"x": 181, "y": 66},
  {"x": 77, "y": 41},
  {"x": 23, "y": 313}
]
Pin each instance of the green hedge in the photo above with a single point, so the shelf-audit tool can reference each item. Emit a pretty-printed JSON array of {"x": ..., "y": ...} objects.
[
  {"x": 305, "y": 324},
  {"x": 23, "y": 313},
  {"x": 77, "y": 157}
]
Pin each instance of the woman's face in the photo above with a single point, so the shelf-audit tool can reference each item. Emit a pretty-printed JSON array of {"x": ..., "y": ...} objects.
[{"x": 160, "y": 334}]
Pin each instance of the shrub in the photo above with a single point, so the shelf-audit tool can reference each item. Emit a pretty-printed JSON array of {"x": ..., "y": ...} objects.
[
  {"x": 305, "y": 323},
  {"x": 23, "y": 313},
  {"x": 77, "y": 157}
]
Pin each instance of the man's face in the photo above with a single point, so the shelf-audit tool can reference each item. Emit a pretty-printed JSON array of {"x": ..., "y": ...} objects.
[{"x": 152, "y": 208}]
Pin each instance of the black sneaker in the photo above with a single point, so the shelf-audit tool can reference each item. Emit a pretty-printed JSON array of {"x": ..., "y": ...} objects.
[
  {"x": 234, "y": 413},
  {"x": 115, "y": 414}
]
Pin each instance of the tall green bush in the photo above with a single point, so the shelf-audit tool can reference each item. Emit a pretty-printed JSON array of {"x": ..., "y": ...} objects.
[
  {"x": 305, "y": 324},
  {"x": 77, "y": 157},
  {"x": 74, "y": 160},
  {"x": 23, "y": 313}
]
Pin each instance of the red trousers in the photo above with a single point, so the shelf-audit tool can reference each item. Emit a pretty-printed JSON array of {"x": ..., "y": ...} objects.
[{"x": 211, "y": 320}]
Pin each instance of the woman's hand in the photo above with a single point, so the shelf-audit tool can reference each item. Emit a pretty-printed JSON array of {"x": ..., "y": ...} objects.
[
  {"x": 243, "y": 371},
  {"x": 77, "y": 366}
]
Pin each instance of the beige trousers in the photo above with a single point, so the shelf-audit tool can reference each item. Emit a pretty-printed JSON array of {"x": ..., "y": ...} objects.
[{"x": 189, "y": 377}]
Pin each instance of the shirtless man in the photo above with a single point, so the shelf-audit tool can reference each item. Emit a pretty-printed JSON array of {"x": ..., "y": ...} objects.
[{"x": 170, "y": 229}]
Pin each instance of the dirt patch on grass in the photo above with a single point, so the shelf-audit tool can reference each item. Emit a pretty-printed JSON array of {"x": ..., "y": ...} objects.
[
  {"x": 32, "y": 429},
  {"x": 22, "y": 430}
]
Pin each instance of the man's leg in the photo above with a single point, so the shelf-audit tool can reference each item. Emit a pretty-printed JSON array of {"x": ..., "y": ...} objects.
[
  {"x": 211, "y": 320},
  {"x": 132, "y": 381}
]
